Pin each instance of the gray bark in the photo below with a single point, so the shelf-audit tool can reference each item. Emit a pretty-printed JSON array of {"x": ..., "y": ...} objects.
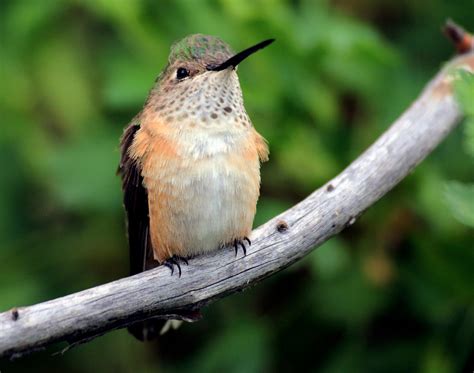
[{"x": 275, "y": 245}]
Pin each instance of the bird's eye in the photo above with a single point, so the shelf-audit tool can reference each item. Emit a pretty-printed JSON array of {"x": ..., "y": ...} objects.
[{"x": 182, "y": 73}]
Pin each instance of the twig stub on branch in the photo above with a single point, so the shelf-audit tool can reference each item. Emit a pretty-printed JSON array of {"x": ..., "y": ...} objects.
[{"x": 462, "y": 40}]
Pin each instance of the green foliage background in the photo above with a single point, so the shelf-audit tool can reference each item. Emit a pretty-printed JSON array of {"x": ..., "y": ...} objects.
[{"x": 392, "y": 293}]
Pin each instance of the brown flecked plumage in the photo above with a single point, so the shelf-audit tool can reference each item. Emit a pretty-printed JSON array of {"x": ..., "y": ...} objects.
[{"x": 191, "y": 158}]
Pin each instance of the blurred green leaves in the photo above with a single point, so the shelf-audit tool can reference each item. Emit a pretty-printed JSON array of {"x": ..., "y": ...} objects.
[
  {"x": 459, "y": 196},
  {"x": 331, "y": 259},
  {"x": 465, "y": 95},
  {"x": 236, "y": 350},
  {"x": 460, "y": 199},
  {"x": 124, "y": 86},
  {"x": 392, "y": 293},
  {"x": 81, "y": 178}
]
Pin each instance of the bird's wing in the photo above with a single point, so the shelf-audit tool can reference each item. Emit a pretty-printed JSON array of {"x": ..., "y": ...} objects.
[{"x": 135, "y": 199}]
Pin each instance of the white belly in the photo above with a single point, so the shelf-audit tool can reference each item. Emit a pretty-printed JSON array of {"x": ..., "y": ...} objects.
[
  {"x": 203, "y": 197},
  {"x": 218, "y": 204}
]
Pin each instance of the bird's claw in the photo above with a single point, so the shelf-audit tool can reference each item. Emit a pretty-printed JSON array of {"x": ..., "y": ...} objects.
[
  {"x": 240, "y": 242},
  {"x": 175, "y": 260}
]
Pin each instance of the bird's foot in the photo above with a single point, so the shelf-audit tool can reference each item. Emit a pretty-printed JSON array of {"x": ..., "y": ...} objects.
[
  {"x": 175, "y": 260},
  {"x": 241, "y": 243}
]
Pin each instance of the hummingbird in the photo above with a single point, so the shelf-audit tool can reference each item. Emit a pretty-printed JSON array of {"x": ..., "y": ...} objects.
[{"x": 190, "y": 161}]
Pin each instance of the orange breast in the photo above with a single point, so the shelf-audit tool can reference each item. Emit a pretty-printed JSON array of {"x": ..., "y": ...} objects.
[{"x": 197, "y": 203}]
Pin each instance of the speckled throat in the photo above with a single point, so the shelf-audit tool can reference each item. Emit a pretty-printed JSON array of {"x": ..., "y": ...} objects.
[{"x": 212, "y": 100}]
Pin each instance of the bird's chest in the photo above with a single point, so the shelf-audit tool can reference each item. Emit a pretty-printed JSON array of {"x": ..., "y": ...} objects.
[
  {"x": 210, "y": 175},
  {"x": 206, "y": 192}
]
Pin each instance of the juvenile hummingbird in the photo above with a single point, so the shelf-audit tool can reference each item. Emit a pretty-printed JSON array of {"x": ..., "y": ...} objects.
[{"x": 190, "y": 160}]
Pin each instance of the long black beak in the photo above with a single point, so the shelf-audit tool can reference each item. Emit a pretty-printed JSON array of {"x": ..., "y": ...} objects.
[{"x": 239, "y": 57}]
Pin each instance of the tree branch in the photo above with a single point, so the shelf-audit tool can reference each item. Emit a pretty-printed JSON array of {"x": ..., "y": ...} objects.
[{"x": 277, "y": 244}]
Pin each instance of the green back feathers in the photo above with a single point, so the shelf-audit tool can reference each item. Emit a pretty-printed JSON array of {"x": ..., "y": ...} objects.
[{"x": 209, "y": 49}]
